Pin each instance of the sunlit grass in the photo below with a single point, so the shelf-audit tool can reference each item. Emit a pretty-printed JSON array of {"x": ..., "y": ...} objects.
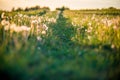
[{"x": 60, "y": 45}]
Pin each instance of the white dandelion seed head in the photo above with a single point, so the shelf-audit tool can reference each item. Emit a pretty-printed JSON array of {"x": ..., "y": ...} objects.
[
  {"x": 3, "y": 15},
  {"x": 112, "y": 46},
  {"x": 43, "y": 32},
  {"x": 4, "y": 22},
  {"x": 39, "y": 38}
]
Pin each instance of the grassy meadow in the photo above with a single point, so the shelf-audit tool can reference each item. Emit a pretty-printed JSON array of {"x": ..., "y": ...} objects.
[{"x": 60, "y": 45}]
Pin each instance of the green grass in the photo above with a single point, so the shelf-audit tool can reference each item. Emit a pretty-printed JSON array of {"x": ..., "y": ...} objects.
[{"x": 65, "y": 52}]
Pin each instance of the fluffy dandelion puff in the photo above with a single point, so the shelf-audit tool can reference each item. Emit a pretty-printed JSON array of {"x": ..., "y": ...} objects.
[
  {"x": 46, "y": 28},
  {"x": 3, "y": 15},
  {"x": 6, "y": 27},
  {"x": 39, "y": 38},
  {"x": 43, "y": 32},
  {"x": 4, "y": 22},
  {"x": 112, "y": 46},
  {"x": 89, "y": 37},
  {"x": 89, "y": 23},
  {"x": 114, "y": 27}
]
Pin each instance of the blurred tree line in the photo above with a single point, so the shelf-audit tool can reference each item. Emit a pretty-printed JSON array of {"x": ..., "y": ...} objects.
[
  {"x": 31, "y": 8},
  {"x": 65, "y": 8}
]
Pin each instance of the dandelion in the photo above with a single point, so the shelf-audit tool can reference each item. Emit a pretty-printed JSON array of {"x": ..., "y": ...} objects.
[
  {"x": 109, "y": 23},
  {"x": 89, "y": 24},
  {"x": 86, "y": 30},
  {"x": 25, "y": 16},
  {"x": 43, "y": 32},
  {"x": 20, "y": 15},
  {"x": 39, "y": 38},
  {"x": 3, "y": 15},
  {"x": 45, "y": 27},
  {"x": 89, "y": 30},
  {"x": 89, "y": 37},
  {"x": 114, "y": 27},
  {"x": 34, "y": 21},
  {"x": 93, "y": 17},
  {"x": 6, "y": 28},
  {"x": 4, "y": 22},
  {"x": 39, "y": 20},
  {"x": 96, "y": 32},
  {"x": 82, "y": 26},
  {"x": 112, "y": 46}
]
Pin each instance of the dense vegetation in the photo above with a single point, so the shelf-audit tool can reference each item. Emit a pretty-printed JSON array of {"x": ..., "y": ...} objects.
[{"x": 78, "y": 44}]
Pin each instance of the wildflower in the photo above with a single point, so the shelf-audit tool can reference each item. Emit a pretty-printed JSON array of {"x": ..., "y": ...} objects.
[
  {"x": 39, "y": 20},
  {"x": 39, "y": 38},
  {"x": 4, "y": 22},
  {"x": 6, "y": 27},
  {"x": 93, "y": 17},
  {"x": 82, "y": 26},
  {"x": 43, "y": 32},
  {"x": 114, "y": 27},
  {"x": 112, "y": 46},
  {"x": 89, "y": 23},
  {"x": 89, "y": 37},
  {"x": 86, "y": 30},
  {"x": 25, "y": 16},
  {"x": 89, "y": 30},
  {"x": 45, "y": 27},
  {"x": 20, "y": 15},
  {"x": 3, "y": 15},
  {"x": 34, "y": 21},
  {"x": 96, "y": 32},
  {"x": 109, "y": 23}
]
